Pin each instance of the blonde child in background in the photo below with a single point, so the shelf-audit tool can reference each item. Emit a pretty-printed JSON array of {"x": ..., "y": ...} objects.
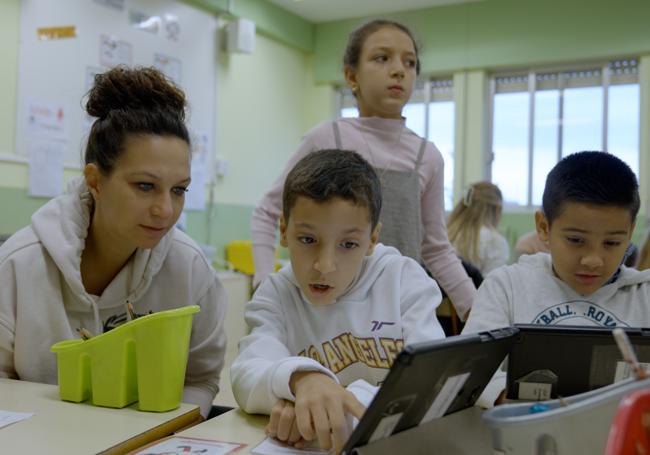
[
  {"x": 381, "y": 65},
  {"x": 472, "y": 227},
  {"x": 341, "y": 312},
  {"x": 110, "y": 241}
]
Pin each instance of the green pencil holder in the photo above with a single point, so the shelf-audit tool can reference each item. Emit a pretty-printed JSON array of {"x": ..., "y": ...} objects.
[{"x": 142, "y": 360}]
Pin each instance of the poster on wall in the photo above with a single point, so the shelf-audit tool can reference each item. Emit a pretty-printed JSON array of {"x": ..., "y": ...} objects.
[
  {"x": 45, "y": 168},
  {"x": 113, "y": 52},
  {"x": 46, "y": 119},
  {"x": 172, "y": 27},
  {"x": 195, "y": 198},
  {"x": 170, "y": 67}
]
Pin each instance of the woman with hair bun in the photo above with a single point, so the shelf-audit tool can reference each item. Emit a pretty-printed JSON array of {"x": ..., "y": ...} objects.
[{"x": 109, "y": 243}]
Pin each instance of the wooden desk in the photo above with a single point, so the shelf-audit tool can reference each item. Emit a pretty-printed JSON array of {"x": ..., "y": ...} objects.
[
  {"x": 59, "y": 427},
  {"x": 462, "y": 433}
]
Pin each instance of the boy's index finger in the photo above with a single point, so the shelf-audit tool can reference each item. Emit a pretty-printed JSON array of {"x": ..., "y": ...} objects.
[{"x": 354, "y": 407}]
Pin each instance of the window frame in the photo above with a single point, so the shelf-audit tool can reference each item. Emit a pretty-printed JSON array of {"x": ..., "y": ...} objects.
[{"x": 608, "y": 73}]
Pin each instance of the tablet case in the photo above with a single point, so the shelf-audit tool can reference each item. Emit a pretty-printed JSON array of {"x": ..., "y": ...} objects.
[
  {"x": 560, "y": 361},
  {"x": 432, "y": 379}
]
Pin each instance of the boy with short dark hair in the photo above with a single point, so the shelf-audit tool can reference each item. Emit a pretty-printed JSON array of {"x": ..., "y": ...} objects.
[
  {"x": 341, "y": 312},
  {"x": 588, "y": 215}
]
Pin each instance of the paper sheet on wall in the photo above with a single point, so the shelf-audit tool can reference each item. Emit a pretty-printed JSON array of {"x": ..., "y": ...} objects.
[
  {"x": 7, "y": 417},
  {"x": 47, "y": 119},
  {"x": 170, "y": 67},
  {"x": 46, "y": 168},
  {"x": 113, "y": 51},
  {"x": 195, "y": 196}
]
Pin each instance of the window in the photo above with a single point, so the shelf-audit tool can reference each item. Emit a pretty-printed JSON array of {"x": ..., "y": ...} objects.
[
  {"x": 540, "y": 117},
  {"x": 441, "y": 130},
  {"x": 430, "y": 113}
]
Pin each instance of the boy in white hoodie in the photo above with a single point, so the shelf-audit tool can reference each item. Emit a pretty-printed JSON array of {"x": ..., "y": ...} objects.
[
  {"x": 340, "y": 312},
  {"x": 588, "y": 215}
]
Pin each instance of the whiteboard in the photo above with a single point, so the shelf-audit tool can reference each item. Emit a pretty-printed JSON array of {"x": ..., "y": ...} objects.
[{"x": 64, "y": 43}]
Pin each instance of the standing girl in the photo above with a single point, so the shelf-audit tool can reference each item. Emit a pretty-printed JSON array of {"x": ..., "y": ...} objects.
[
  {"x": 381, "y": 64},
  {"x": 472, "y": 227},
  {"x": 110, "y": 241}
]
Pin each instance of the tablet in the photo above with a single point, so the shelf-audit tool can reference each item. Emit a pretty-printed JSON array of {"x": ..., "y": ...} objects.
[
  {"x": 432, "y": 379},
  {"x": 548, "y": 362}
]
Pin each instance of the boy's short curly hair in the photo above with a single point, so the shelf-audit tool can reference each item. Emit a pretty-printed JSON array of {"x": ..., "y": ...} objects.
[
  {"x": 590, "y": 177},
  {"x": 327, "y": 174}
]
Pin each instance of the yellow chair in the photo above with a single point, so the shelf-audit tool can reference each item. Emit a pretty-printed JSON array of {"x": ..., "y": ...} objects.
[{"x": 239, "y": 254}]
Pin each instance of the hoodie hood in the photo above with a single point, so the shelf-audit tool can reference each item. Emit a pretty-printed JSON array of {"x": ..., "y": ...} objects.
[
  {"x": 371, "y": 267},
  {"x": 62, "y": 225}
]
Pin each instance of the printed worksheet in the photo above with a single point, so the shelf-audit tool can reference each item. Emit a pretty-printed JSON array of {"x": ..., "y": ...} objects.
[
  {"x": 180, "y": 445},
  {"x": 271, "y": 446},
  {"x": 7, "y": 417}
]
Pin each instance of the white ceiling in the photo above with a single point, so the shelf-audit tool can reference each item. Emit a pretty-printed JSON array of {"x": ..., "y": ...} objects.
[{"x": 332, "y": 10}]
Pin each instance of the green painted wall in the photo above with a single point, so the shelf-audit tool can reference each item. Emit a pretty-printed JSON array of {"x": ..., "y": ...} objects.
[
  {"x": 506, "y": 33},
  {"x": 17, "y": 209},
  {"x": 9, "y": 25}
]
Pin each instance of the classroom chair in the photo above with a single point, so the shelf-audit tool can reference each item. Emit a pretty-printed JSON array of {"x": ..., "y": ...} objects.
[
  {"x": 447, "y": 310},
  {"x": 630, "y": 430},
  {"x": 239, "y": 255}
]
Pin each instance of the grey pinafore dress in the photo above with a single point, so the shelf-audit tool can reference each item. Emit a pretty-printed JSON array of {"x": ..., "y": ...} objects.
[{"x": 400, "y": 216}]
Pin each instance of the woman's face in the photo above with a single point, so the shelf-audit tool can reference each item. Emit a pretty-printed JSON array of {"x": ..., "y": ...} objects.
[
  {"x": 386, "y": 73},
  {"x": 140, "y": 201}
]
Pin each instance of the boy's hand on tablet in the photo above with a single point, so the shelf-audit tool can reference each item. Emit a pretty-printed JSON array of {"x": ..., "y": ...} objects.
[
  {"x": 321, "y": 407},
  {"x": 282, "y": 424}
]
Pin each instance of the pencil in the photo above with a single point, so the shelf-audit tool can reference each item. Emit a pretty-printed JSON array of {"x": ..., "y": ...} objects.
[
  {"x": 84, "y": 334},
  {"x": 627, "y": 351},
  {"x": 130, "y": 310}
]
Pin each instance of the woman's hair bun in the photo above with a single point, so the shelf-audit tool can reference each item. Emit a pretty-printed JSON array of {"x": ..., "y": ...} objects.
[{"x": 123, "y": 88}]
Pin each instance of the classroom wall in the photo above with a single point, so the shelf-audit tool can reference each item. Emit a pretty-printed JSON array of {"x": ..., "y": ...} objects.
[
  {"x": 265, "y": 103},
  {"x": 267, "y": 100}
]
